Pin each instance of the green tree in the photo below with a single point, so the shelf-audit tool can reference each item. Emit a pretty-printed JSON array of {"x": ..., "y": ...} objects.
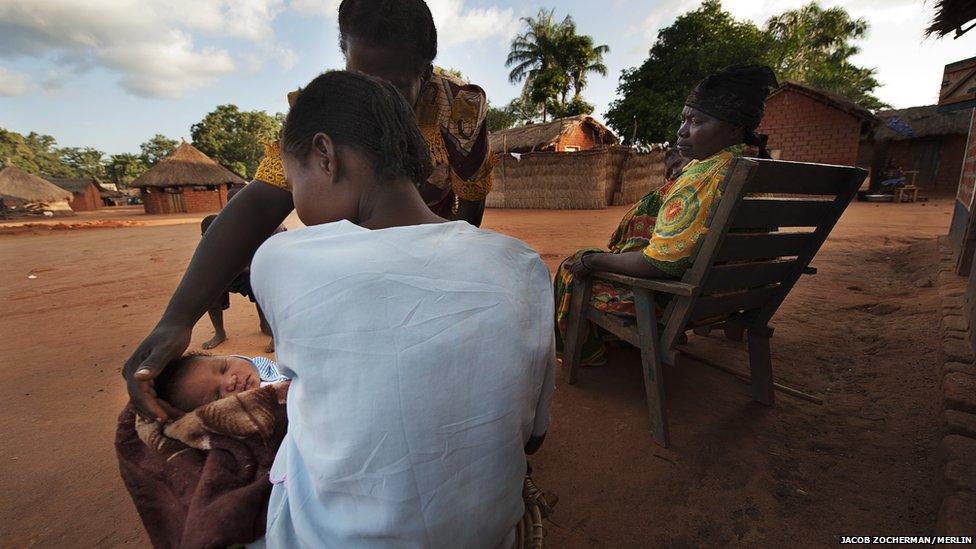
[
  {"x": 34, "y": 153},
  {"x": 456, "y": 74},
  {"x": 813, "y": 46},
  {"x": 697, "y": 43},
  {"x": 235, "y": 138},
  {"x": 123, "y": 168},
  {"x": 499, "y": 119},
  {"x": 583, "y": 58},
  {"x": 810, "y": 45},
  {"x": 573, "y": 107},
  {"x": 85, "y": 161},
  {"x": 157, "y": 148},
  {"x": 551, "y": 58}
]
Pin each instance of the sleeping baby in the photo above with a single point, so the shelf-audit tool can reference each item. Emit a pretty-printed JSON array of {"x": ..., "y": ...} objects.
[{"x": 197, "y": 379}]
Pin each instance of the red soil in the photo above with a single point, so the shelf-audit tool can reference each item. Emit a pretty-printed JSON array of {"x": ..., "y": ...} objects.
[{"x": 862, "y": 334}]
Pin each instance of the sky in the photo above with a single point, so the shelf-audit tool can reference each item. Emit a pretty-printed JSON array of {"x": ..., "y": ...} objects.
[{"x": 110, "y": 74}]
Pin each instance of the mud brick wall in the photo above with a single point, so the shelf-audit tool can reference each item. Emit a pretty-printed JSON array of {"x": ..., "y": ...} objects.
[
  {"x": 806, "y": 130},
  {"x": 583, "y": 138},
  {"x": 195, "y": 200},
  {"x": 89, "y": 200},
  {"x": 952, "y": 150}
]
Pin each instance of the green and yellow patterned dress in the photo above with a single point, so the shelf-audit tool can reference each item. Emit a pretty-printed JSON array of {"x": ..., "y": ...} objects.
[{"x": 665, "y": 225}]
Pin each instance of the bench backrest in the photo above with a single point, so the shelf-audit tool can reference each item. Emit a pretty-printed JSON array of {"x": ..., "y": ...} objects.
[{"x": 771, "y": 220}]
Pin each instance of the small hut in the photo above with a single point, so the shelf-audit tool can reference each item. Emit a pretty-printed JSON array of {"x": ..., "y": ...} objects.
[
  {"x": 810, "y": 125},
  {"x": 112, "y": 196},
  {"x": 569, "y": 134},
  {"x": 86, "y": 191},
  {"x": 21, "y": 192},
  {"x": 186, "y": 181},
  {"x": 922, "y": 140}
]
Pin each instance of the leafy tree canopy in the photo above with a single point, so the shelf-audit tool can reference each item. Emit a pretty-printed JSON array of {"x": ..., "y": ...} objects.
[
  {"x": 810, "y": 45},
  {"x": 697, "y": 43},
  {"x": 34, "y": 153},
  {"x": 813, "y": 46},
  {"x": 235, "y": 138},
  {"x": 157, "y": 148},
  {"x": 552, "y": 59}
]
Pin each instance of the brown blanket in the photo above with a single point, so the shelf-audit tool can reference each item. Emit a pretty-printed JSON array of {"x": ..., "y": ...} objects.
[{"x": 202, "y": 480}]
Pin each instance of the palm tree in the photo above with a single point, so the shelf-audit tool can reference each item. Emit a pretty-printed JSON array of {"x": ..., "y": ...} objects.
[
  {"x": 551, "y": 58},
  {"x": 585, "y": 58},
  {"x": 536, "y": 50}
]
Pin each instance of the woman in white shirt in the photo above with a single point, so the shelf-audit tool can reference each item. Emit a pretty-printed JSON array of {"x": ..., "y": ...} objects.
[{"x": 420, "y": 350}]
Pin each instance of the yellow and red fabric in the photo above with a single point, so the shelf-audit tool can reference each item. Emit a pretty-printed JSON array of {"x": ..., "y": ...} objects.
[
  {"x": 451, "y": 117},
  {"x": 665, "y": 225}
]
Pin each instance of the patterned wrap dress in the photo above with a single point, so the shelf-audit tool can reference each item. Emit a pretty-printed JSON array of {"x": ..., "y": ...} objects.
[
  {"x": 665, "y": 226},
  {"x": 451, "y": 117}
]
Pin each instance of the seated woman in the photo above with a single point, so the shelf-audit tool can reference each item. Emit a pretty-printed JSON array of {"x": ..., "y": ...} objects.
[
  {"x": 420, "y": 350},
  {"x": 657, "y": 238}
]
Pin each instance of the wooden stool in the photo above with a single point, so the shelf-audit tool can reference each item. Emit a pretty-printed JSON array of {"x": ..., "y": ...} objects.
[{"x": 911, "y": 190}]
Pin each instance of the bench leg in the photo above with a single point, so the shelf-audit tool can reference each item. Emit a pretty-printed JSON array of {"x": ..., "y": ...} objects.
[
  {"x": 575, "y": 324},
  {"x": 760, "y": 364},
  {"x": 651, "y": 364}
]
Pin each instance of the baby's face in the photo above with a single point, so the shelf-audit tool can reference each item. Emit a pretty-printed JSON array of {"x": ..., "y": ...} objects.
[{"x": 210, "y": 378}]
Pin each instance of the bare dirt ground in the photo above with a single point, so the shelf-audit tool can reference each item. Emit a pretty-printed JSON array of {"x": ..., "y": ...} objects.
[{"x": 862, "y": 334}]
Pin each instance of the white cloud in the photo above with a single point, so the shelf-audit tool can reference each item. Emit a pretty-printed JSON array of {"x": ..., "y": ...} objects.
[
  {"x": 456, "y": 25},
  {"x": 13, "y": 83},
  {"x": 316, "y": 7},
  {"x": 286, "y": 57},
  {"x": 148, "y": 43}
]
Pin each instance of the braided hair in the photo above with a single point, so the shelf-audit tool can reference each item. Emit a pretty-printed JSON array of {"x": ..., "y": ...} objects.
[
  {"x": 359, "y": 111},
  {"x": 400, "y": 25}
]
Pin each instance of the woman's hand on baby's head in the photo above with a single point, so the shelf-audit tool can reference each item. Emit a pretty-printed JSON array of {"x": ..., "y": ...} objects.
[{"x": 164, "y": 344}]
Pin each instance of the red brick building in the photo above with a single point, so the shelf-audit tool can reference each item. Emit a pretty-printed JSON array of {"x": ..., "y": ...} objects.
[
  {"x": 186, "y": 181},
  {"x": 569, "y": 134},
  {"x": 808, "y": 125},
  {"x": 922, "y": 140},
  {"x": 85, "y": 190}
]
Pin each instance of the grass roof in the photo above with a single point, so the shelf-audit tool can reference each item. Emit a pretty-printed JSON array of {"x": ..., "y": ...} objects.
[
  {"x": 537, "y": 137},
  {"x": 16, "y": 185},
  {"x": 186, "y": 166}
]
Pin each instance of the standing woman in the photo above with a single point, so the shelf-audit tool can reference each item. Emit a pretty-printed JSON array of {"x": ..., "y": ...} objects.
[
  {"x": 658, "y": 237},
  {"x": 393, "y": 41}
]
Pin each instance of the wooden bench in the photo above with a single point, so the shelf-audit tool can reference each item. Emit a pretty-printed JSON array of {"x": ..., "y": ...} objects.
[{"x": 740, "y": 274}]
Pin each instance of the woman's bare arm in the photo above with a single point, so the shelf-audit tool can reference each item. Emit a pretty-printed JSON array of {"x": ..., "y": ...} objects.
[{"x": 225, "y": 250}]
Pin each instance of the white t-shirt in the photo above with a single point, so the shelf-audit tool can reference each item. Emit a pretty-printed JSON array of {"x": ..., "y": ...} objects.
[{"x": 421, "y": 360}]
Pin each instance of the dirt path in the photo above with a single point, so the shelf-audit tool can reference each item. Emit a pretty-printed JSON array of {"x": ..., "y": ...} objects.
[{"x": 862, "y": 333}]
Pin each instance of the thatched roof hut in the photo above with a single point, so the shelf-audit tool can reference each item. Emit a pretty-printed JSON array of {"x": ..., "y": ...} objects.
[
  {"x": 925, "y": 121},
  {"x": 572, "y": 133},
  {"x": 86, "y": 191},
  {"x": 186, "y": 166},
  {"x": 19, "y": 188},
  {"x": 951, "y": 16}
]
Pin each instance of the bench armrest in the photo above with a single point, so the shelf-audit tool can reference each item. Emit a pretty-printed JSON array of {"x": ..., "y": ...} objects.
[{"x": 655, "y": 284}]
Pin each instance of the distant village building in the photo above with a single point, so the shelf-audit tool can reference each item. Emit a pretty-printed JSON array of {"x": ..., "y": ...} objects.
[
  {"x": 21, "y": 192},
  {"x": 86, "y": 191},
  {"x": 569, "y": 134},
  {"x": 809, "y": 125},
  {"x": 186, "y": 181},
  {"x": 923, "y": 140},
  {"x": 112, "y": 196}
]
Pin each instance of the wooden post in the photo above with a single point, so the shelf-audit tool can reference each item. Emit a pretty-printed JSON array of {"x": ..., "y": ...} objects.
[
  {"x": 573, "y": 344},
  {"x": 651, "y": 365},
  {"x": 760, "y": 363}
]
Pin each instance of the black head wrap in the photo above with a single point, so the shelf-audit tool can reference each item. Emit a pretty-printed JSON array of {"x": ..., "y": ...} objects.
[{"x": 737, "y": 95}]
